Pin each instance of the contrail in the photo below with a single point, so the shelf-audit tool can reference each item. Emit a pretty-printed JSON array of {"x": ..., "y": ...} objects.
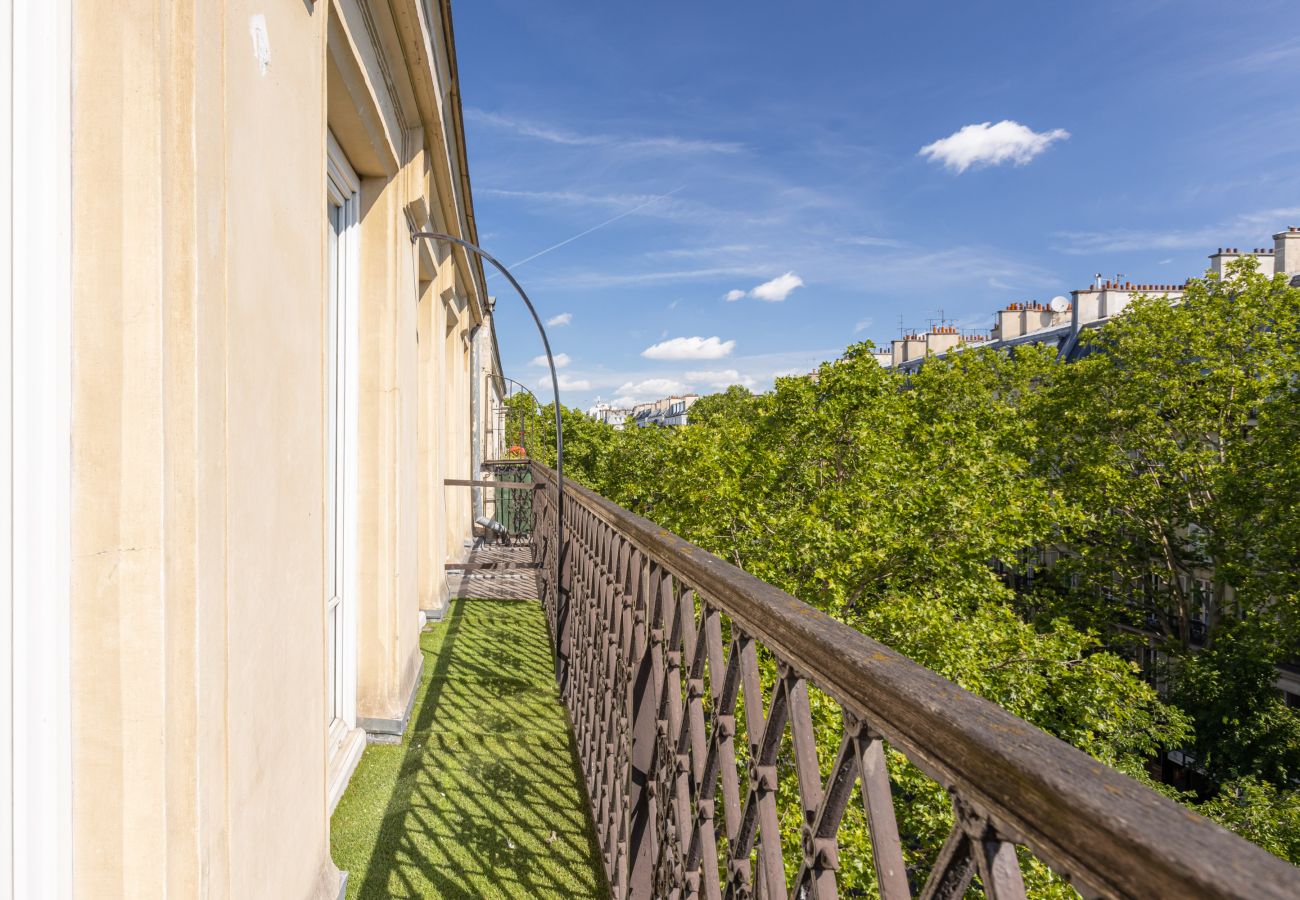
[{"x": 570, "y": 240}]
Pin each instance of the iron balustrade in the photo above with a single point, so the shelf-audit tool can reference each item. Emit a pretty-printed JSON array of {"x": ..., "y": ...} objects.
[
  {"x": 658, "y": 646},
  {"x": 512, "y": 508}
]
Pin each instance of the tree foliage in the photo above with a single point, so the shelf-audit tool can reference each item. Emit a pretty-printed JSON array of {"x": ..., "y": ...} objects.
[
  {"x": 1175, "y": 440},
  {"x": 1164, "y": 458}
]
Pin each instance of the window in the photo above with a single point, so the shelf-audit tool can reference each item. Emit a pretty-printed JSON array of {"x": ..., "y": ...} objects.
[
  {"x": 341, "y": 431},
  {"x": 35, "y": 450}
]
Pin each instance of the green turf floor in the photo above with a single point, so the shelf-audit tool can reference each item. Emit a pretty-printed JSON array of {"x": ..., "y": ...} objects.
[{"x": 482, "y": 798}]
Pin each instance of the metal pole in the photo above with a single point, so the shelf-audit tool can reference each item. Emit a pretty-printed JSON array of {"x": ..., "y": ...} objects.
[{"x": 559, "y": 427}]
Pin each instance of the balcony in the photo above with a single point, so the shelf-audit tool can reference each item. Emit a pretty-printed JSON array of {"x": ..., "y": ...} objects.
[
  {"x": 481, "y": 797},
  {"x": 728, "y": 740}
]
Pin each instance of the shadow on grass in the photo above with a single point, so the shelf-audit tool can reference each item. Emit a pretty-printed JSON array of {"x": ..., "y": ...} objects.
[{"x": 482, "y": 798}]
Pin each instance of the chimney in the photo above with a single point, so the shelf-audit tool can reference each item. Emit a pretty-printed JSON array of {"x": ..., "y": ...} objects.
[
  {"x": 1264, "y": 259},
  {"x": 941, "y": 339},
  {"x": 1010, "y": 322},
  {"x": 1036, "y": 316},
  {"x": 913, "y": 346},
  {"x": 1219, "y": 261},
  {"x": 898, "y": 352},
  {"x": 1087, "y": 307},
  {"x": 1286, "y": 251},
  {"x": 1115, "y": 301}
]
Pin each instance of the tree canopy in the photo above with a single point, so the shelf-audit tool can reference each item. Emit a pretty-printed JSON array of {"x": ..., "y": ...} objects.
[{"x": 1161, "y": 468}]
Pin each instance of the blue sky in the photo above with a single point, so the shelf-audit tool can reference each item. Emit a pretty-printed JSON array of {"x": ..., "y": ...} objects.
[{"x": 705, "y": 150}]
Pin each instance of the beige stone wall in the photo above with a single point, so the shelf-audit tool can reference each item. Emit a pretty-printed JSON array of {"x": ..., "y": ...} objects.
[
  {"x": 199, "y": 752},
  {"x": 490, "y": 390}
]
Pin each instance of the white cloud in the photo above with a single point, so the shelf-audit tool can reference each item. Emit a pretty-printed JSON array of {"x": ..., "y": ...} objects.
[
  {"x": 754, "y": 372},
  {"x": 773, "y": 291},
  {"x": 867, "y": 240},
  {"x": 862, "y": 326},
  {"x": 778, "y": 288},
  {"x": 553, "y": 135},
  {"x": 720, "y": 378},
  {"x": 690, "y": 348},
  {"x": 587, "y": 280},
  {"x": 1269, "y": 57},
  {"x": 1244, "y": 228},
  {"x": 561, "y": 319},
  {"x": 648, "y": 389},
  {"x": 670, "y": 206},
  {"x": 561, "y": 360},
  {"x": 988, "y": 144},
  {"x": 1085, "y": 243},
  {"x": 726, "y": 251},
  {"x": 566, "y": 383}
]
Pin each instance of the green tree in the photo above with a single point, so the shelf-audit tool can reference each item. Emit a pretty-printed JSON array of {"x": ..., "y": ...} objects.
[
  {"x": 1152, "y": 437},
  {"x": 1242, "y": 728},
  {"x": 1174, "y": 441},
  {"x": 882, "y": 500}
]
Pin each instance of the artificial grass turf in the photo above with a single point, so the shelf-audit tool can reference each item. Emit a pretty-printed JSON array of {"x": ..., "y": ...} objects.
[{"x": 482, "y": 797}]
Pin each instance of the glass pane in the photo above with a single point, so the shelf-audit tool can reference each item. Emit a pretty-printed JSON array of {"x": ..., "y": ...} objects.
[
  {"x": 332, "y": 399},
  {"x": 333, "y": 463}
]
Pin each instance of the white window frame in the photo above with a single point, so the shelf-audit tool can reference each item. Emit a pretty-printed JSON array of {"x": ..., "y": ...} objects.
[
  {"x": 342, "y": 351},
  {"x": 35, "y": 450}
]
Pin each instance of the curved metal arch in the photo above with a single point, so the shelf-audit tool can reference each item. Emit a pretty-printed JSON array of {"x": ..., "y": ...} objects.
[
  {"x": 561, "y": 663},
  {"x": 537, "y": 404}
]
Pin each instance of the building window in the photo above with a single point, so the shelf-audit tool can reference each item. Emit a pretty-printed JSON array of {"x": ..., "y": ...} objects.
[{"x": 341, "y": 439}]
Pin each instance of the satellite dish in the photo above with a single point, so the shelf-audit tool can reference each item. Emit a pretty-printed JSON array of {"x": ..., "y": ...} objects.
[{"x": 1058, "y": 304}]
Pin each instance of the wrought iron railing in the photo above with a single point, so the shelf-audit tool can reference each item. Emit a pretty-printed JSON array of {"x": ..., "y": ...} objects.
[
  {"x": 665, "y": 659},
  {"x": 511, "y": 507}
]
